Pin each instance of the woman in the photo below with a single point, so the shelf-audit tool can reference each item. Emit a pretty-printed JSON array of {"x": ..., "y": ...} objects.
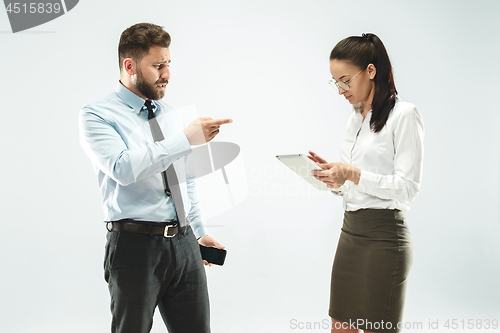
[{"x": 378, "y": 175}]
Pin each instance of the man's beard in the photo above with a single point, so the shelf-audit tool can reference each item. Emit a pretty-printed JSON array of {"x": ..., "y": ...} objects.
[{"x": 150, "y": 91}]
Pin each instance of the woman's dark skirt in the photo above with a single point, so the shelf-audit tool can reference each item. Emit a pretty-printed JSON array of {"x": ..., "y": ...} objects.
[{"x": 370, "y": 270}]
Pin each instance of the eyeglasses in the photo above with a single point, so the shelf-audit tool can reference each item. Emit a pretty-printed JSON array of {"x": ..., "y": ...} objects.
[{"x": 344, "y": 85}]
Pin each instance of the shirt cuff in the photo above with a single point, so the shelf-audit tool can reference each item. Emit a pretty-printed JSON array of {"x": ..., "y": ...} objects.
[
  {"x": 199, "y": 229},
  {"x": 176, "y": 145},
  {"x": 367, "y": 182}
]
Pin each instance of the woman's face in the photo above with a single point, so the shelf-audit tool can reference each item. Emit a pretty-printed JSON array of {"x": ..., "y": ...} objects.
[{"x": 362, "y": 85}]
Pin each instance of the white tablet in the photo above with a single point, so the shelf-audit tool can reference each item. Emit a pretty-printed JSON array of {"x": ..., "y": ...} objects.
[{"x": 302, "y": 166}]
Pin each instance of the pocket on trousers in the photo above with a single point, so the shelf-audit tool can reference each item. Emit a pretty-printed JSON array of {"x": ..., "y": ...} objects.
[
  {"x": 109, "y": 252},
  {"x": 105, "y": 264}
]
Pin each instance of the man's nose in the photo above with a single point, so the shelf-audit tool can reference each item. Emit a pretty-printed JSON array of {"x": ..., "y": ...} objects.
[{"x": 165, "y": 73}]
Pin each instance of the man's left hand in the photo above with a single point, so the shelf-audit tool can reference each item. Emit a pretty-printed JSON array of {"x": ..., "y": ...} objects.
[{"x": 209, "y": 242}]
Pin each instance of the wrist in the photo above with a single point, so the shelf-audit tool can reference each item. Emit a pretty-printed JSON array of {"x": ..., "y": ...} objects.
[
  {"x": 186, "y": 133},
  {"x": 353, "y": 174}
]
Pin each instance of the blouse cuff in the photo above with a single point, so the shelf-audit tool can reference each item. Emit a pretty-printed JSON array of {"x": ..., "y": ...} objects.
[
  {"x": 339, "y": 191},
  {"x": 367, "y": 182}
]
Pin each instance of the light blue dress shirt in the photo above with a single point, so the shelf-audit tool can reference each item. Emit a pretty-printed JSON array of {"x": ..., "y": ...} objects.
[{"x": 115, "y": 134}]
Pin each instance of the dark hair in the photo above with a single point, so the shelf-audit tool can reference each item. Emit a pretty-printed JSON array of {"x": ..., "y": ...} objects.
[
  {"x": 136, "y": 41},
  {"x": 365, "y": 50}
]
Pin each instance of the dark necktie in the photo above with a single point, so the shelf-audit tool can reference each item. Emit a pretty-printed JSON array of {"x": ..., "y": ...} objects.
[{"x": 169, "y": 176}]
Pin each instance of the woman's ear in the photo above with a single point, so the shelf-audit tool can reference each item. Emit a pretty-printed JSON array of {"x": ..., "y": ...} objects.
[{"x": 372, "y": 71}]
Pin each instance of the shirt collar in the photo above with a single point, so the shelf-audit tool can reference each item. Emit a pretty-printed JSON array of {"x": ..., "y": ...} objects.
[
  {"x": 135, "y": 102},
  {"x": 357, "y": 112}
]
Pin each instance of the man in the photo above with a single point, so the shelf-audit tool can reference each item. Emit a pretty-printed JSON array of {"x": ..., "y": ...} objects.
[{"x": 141, "y": 154}]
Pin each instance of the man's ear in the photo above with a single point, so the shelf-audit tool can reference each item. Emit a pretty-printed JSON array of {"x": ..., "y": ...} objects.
[
  {"x": 372, "y": 71},
  {"x": 129, "y": 66}
]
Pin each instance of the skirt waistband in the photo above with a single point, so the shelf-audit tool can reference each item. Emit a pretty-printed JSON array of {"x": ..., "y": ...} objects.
[
  {"x": 373, "y": 213},
  {"x": 376, "y": 224}
]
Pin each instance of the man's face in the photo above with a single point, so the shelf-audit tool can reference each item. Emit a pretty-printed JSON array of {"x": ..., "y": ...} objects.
[{"x": 153, "y": 73}]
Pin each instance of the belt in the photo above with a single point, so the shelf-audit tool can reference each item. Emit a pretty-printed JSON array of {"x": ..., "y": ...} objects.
[{"x": 169, "y": 230}]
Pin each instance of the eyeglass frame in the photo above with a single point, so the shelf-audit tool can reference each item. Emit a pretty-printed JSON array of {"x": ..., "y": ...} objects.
[{"x": 337, "y": 83}]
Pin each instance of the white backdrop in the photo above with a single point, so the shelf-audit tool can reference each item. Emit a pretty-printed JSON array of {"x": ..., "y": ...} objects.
[{"x": 264, "y": 64}]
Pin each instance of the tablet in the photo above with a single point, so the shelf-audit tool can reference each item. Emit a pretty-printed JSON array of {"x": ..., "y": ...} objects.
[{"x": 302, "y": 166}]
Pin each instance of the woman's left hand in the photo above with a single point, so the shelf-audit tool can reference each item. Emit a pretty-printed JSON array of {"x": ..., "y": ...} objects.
[{"x": 334, "y": 175}]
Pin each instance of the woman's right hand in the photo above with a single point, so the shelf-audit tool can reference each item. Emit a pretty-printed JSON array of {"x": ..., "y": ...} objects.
[{"x": 316, "y": 158}]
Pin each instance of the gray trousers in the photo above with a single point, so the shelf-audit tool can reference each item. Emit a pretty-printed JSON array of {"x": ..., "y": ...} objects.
[{"x": 145, "y": 271}]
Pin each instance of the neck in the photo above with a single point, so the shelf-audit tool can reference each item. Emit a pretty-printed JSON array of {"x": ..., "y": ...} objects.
[
  {"x": 127, "y": 82},
  {"x": 364, "y": 113},
  {"x": 366, "y": 105}
]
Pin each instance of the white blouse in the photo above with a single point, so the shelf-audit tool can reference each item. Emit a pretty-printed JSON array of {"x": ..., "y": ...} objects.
[{"x": 390, "y": 160}]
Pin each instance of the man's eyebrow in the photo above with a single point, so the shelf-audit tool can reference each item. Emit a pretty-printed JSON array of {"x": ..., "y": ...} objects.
[{"x": 162, "y": 62}]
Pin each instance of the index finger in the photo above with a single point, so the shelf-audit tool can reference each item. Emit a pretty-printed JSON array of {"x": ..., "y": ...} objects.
[
  {"x": 220, "y": 121},
  {"x": 317, "y": 157},
  {"x": 320, "y": 173}
]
